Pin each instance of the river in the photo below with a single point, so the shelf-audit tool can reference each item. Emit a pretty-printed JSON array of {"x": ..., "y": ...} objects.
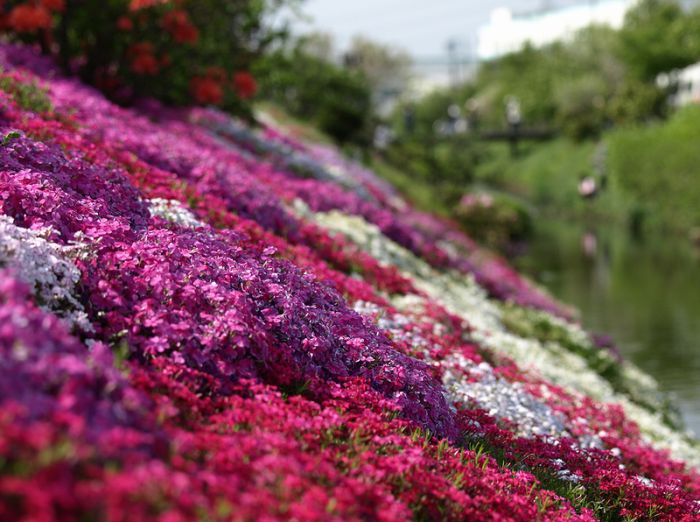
[{"x": 645, "y": 293}]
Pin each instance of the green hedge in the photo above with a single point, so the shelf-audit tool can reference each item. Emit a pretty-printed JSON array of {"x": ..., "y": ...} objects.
[{"x": 658, "y": 166}]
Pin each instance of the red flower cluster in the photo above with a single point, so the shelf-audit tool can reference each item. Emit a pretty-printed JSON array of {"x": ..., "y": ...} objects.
[
  {"x": 137, "y": 5},
  {"x": 206, "y": 90},
  {"x": 210, "y": 88},
  {"x": 180, "y": 27},
  {"x": 54, "y": 5},
  {"x": 152, "y": 32},
  {"x": 29, "y": 18},
  {"x": 142, "y": 59},
  {"x": 124, "y": 23},
  {"x": 245, "y": 85}
]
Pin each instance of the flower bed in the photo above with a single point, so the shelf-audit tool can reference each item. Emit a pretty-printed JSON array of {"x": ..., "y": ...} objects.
[{"x": 202, "y": 321}]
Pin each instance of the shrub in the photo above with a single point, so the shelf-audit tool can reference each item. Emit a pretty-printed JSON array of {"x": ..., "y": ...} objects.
[
  {"x": 314, "y": 89},
  {"x": 27, "y": 94},
  {"x": 176, "y": 51},
  {"x": 494, "y": 219},
  {"x": 658, "y": 166}
]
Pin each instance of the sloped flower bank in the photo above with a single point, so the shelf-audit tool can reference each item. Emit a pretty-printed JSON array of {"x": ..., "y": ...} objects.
[{"x": 199, "y": 321}]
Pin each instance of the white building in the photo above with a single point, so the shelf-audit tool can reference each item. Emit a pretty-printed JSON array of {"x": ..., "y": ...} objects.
[
  {"x": 688, "y": 82},
  {"x": 508, "y": 32}
]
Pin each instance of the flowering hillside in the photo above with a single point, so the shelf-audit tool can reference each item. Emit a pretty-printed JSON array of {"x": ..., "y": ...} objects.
[{"x": 199, "y": 321}]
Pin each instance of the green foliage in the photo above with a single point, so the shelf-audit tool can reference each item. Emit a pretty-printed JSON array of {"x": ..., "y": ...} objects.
[
  {"x": 585, "y": 87},
  {"x": 496, "y": 220},
  {"x": 424, "y": 195},
  {"x": 600, "y": 77},
  {"x": 581, "y": 106},
  {"x": 546, "y": 175},
  {"x": 385, "y": 68},
  {"x": 344, "y": 110},
  {"x": 534, "y": 324},
  {"x": 529, "y": 75},
  {"x": 441, "y": 163},
  {"x": 430, "y": 109},
  {"x": 444, "y": 166},
  {"x": 636, "y": 101},
  {"x": 12, "y": 135},
  {"x": 581, "y": 86},
  {"x": 28, "y": 95},
  {"x": 658, "y": 36},
  {"x": 658, "y": 166},
  {"x": 314, "y": 89}
]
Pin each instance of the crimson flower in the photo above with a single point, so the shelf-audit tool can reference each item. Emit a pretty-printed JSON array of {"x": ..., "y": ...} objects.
[
  {"x": 124, "y": 23},
  {"x": 137, "y": 5},
  {"x": 54, "y": 5},
  {"x": 178, "y": 24},
  {"x": 206, "y": 90},
  {"x": 143, "y": 59},
  {"x": 29, "y": 18},
  {"x": 245, "y": 85}
]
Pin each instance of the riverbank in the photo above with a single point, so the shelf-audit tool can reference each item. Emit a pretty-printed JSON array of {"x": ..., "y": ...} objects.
[
  {"x": 614, "y": 279},
  {"x": 648, "y": 175},
  {"x": 603, "y": 254}
]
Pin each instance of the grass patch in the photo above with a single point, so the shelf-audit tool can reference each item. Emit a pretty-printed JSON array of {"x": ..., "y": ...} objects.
[
  {"x": 29, "y": 96},
  {"x": 547, "y": 176},
  {"x": 437, "y": 197},
  {"x": 659, "y": 167}
]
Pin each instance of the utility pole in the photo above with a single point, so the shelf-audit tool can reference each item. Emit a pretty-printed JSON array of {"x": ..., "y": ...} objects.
[{"x": 453, "y": 68}]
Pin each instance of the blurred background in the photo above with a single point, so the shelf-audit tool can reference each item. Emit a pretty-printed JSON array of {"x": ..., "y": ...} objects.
[{"x": 564, "y": 134}]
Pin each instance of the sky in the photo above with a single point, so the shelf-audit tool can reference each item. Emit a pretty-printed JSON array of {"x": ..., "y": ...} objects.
[{"x": 421, "y": 27}]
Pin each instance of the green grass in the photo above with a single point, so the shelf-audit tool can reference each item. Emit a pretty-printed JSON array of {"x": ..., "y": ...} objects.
[
  {"x": 547, "y": 176},
  {"x": 653, "y": 174},
  {"x": 437, "y": 197},
  {"x": 29, "y": 96},
  {"x": 659, "y": 167},
  {"x": 303, "y": 130}
]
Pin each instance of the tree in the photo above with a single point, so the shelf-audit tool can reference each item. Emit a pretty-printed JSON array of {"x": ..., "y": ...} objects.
[
  {"x": 318, "y": 45},
  {"x": 304, "y": 81},
  {"x": 658, "y": 36},
  {"x": 386, "y": 69}
]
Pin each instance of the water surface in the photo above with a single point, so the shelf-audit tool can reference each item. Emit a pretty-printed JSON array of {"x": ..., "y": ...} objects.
[{"x": 644, "y": 292}]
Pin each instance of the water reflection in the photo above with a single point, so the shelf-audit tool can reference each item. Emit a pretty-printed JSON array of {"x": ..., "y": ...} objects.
[{"x": 644, "y": 293}]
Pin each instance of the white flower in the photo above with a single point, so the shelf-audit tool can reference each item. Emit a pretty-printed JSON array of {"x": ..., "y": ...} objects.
[
  {"x": 173, "y": 211},
  {"x": 462, "y": 296},
  {"x": 46, "y": 267}
]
